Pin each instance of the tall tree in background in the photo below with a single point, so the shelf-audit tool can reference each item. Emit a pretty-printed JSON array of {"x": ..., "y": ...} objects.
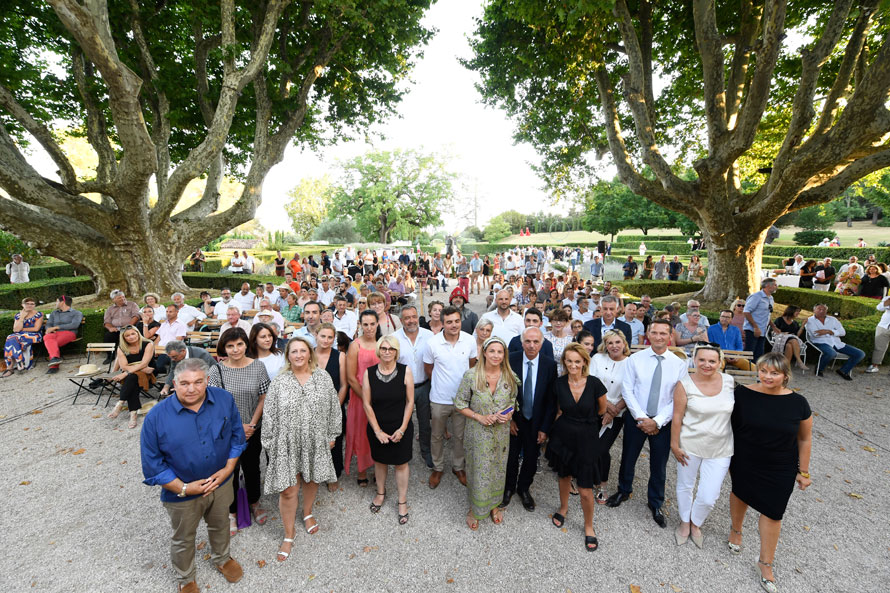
[
  {"x": 168, "y": 92},
  {"x": 393, "y": 195},
  {"x": 307, "y": 205},
  {"x": 577, "y": 74}
]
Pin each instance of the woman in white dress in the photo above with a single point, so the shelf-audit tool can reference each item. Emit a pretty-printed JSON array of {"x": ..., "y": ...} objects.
[
  {"x": 701, "y": 439},
  {"x": 301, "y": 422},
  {"x": 607, "y": 365}
]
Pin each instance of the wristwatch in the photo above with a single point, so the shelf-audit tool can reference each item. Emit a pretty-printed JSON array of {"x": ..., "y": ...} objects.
[{"x": 182, "y": 492}]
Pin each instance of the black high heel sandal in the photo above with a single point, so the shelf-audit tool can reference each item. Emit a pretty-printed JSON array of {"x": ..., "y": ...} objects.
[
  {"x": 403, "y": 518},
  {"x": 375, "y": 508}
]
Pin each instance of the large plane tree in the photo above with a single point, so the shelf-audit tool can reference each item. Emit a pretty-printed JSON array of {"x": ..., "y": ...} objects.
[
  {"x": 776, "y": 105},
  {"x": 168, "y": 91}
]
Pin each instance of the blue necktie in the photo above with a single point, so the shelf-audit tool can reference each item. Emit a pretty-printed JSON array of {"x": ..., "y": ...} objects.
[{"x": 528, "y": 393}]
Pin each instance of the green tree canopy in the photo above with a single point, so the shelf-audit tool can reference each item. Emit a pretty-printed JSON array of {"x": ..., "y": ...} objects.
[
  {"x": 171, "y": 91},
  {"x": 393, "y": 195},
  {"x": 307, "y": 205}
]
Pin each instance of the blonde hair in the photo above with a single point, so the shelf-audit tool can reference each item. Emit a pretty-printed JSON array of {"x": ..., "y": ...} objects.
[
  {"x": 326, "y": 325},
  {"x": 374, "y": 297},
  {"x": 776, "y": 362},
  {"x": 613, "y": 333},
  {"x": 580, "y": 351},
  {"x": 507, "y": 375},
  {"x": 123, "y": 345},
  {"x": 393, "y": 343},
  {"x": 313, "y": 360}
]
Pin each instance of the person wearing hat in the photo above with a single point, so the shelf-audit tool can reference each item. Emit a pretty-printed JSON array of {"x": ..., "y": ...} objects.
[
  {"x": 280, "y": 300},
  {"x": 469, "y": 319},
  {"x": 267, "y": 315}
]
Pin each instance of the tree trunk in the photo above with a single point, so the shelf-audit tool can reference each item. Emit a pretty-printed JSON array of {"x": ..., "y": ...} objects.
[
  {"x": 733, "y": 264},
  {"x": 875, "y": 214}
]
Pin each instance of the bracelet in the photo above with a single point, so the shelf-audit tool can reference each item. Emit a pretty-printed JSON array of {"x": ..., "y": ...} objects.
[{"x": 804, "y": 474}]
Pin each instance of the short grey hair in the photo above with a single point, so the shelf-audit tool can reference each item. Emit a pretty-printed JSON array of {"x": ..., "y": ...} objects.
[
  {"x": 116, "y": 293},
  {"x": 608, "y": 299},
  {"x": 233, "y": 306},
  {"x": 402, "y": 310},
  {"x": 189, "y": 365},
  {"x": 177, "y": 294},
  {"x": 484, "y": 322},
  {"x": 174, "y": 346},
  {"x": 766, "y": 281}
]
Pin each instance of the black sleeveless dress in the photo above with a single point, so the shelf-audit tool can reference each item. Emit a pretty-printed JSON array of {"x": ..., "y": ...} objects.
[
  {"x": 333, "y": 369},
  {"x": 573, "y": 448},
  {"x": 388, "y": 402}
]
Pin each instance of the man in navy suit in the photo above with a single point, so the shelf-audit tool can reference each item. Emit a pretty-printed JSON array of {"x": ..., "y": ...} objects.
[
  {"x": 609, "y": 320},
  {"x": 532, "y": 318},
  {"x": 531, "y": 421}
]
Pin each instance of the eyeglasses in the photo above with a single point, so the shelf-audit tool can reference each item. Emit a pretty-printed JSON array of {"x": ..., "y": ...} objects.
[
  {"x": 739, "y": 305},
  {"x": 386, "y": 349}
]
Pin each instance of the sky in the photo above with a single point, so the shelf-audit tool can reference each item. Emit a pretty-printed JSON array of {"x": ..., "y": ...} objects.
[{"x": 442, "y": 113}]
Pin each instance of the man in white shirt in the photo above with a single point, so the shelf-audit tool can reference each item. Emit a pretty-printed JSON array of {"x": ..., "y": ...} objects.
[
  {"x": 853, "y": 260},
  {"x": 346, "y": 321},
  {"x": 236, "y": 264},
  {"x": 449, "y": 354},
  {"x": 507, "y": 323},
  {"x": 270, "y": 293},
  {"x": 825, "y": 332},
  {"x": 882, "y": 337},
  {"x": 171, "y": 330},
  {"x": 582, "y": 313},
  {"x": 222, "y": 305},
  {"x": 326, "y": 294},
  {"x": 570, "y": 299},
  {"x": 189, "y": 315},
  {"x": 244, "y": 299},
  {"x": 233, "y": 319},
  {"x": 648, "y": 390},
  {"x": 18, "y": 270},
  {"x": 636, "y": 326},
  {"x": 268, "y": 315},
  {"x": 249, "y": 264},
  {"x": 412, "y": 345}
]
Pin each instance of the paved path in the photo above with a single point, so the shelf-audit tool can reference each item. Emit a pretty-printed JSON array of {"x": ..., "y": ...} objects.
[{"x": 78, "y": 518}]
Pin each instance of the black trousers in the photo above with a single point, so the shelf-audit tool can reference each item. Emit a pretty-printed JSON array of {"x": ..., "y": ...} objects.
[
  {"x": 337, "y": 451},
  {"x": 130, "y": 392},
  {"x": 249, "y": 463},
  {"x": 113, "y": 338},
  {"x": 604, "y": 462},
  {"x": 526, "y": 441},
  {"x": 659, "y": 451},
  {"x": 161, "y": 363}
]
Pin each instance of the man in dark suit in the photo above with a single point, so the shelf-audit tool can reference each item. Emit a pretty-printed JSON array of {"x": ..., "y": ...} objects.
[
  {"x": 609, "y": 320},
  {"x": 531, "y": 421},
  {"x": 532, "y": 318},
  {"x": 178, "y": 351}
]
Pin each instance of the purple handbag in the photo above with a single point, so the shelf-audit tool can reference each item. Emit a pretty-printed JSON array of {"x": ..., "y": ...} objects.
[{"x": 243, "y": 504}]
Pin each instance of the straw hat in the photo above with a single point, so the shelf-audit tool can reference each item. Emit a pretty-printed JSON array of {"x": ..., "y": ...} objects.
[{"x": 87, "y": 370}]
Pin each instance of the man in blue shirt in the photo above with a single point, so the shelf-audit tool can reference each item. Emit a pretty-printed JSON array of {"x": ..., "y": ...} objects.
[
  {"x": 758, "y": 308},
  {"x": 728, "y": 337},
  {"x": 190, "y": 444}
]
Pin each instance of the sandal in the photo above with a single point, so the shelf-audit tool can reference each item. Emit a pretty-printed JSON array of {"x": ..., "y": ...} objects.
[
  {"x": 312, "y": 529},
  {"x": 601, "y": 495},
  {"x": 259, "y": 515},
  {"x": 590, "y": 543},
  {"x": 363, "y": 482},
  {"x": 7, "y": 373},
  {"x": 767, "y": 585},
  {"x": 283, "y": 555},
  {"x": 118, "y": 408},
  {"x": 403, "y": 518},
  {"x": 375, "y": 508},
  {"x": 573, "y": 489},
  {"x": 132, "y": 422},
  {"x": 558, "y": 520},
  {"x": 472, "y": 522},
  {"x": 233, "y": 524},
  {"x": 333, "y": 486},
  {"x": 497, "y": 515},
  {"x": 735, "y": 549}
]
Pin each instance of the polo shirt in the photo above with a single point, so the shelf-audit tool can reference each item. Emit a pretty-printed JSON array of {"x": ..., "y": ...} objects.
[
  {"x": 187, "y": 314},
  {"x": 449, "y": 364},
  {"x": 348, "y": 324}
]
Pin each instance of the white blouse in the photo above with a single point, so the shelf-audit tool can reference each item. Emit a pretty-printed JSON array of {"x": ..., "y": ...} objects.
[
  {"x": 611, "y": 373},
  {"x": 273, "y": 364}
]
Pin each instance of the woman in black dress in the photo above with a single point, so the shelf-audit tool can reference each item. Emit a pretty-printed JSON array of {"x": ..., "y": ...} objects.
[
  {"x": 133, "y": 359},
  {"x": 574, "y": 438},
  {"x": 388, "y": 397},
  {"x": 334, "y": 362},
  {"x": 772, "y": 428}
]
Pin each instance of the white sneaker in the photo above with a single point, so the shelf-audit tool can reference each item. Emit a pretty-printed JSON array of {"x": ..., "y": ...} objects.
[{"x": 872, "y": 368}]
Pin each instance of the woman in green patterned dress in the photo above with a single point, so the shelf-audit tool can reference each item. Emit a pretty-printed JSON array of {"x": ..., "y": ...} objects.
[{"x": 487, "y": 395}]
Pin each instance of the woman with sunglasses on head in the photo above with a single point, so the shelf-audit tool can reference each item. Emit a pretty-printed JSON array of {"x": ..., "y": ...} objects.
[
  {"x": 701, "y": 439},
  {"x": 772, "y": 430},
  {"x": 26, "y": 332},
  {"x": 247, "y": 379},
  {"x": 134, "y": 355}
]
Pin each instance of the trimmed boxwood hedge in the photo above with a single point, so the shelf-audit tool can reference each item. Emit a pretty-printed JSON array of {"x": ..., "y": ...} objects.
[
  {"x": 657, "y": 288},
  {"x": 45, "y": 291},
  {"x": 836, "y": 253},
  {"x": 43, "y": 272},
  {"x": 232, "y": 281}
]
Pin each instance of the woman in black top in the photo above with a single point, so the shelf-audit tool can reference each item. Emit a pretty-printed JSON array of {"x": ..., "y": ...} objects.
[
  {"x": 787, "y": 336},
  {"x": 279, "y": 265},
  {"x": 134, "y": 355},
  {"x": 772, "y": 428},
  {"x": 807, "y": 274},
  {"x": 334, "y": 362},
  {"x": 874, "y": 285}
]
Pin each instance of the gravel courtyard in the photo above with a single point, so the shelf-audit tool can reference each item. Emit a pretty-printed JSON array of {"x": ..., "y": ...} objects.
[{"x": 80, "y": 519}]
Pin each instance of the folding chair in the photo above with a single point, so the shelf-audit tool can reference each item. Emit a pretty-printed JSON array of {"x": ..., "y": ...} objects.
[
  {"x": 840, "y": 355},
  {"x": 106, "y": 348}
]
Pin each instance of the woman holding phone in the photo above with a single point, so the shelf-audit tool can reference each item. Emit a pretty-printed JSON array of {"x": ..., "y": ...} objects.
[{"x": 487, "y": 395}]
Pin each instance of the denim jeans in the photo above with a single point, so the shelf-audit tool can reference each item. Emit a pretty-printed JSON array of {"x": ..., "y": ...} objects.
[{"x": 829, "y": 353}]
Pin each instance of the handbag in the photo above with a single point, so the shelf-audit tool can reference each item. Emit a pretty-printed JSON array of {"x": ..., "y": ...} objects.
[{"x": 243, "y": 513}]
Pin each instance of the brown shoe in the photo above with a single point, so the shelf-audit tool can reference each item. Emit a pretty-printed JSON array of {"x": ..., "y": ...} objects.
[
  {"x": 189, "y": 588},
  {"x": 231, "y": 570},
  {"x": 435, "y": 478},
  {"x": 461, "y": 476}
]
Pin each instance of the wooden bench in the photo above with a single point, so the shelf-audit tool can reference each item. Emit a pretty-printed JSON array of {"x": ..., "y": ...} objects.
[{"x": 200, "y": 338}]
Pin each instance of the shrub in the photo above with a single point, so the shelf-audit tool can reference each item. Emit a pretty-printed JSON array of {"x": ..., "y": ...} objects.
[
  {"x": 836, "y": 253},
  {"x": 341, "y": 231},
  {"x": 657, "y": 288},
  {"x": 844, "y": 307},
  {"x": 44, "y": 291},
  {"x": 219, "y": 281},
  {"x": 647, "y": 238},
  {"x": 811, "y": 238},
  {"x": 10, "y": 244}
]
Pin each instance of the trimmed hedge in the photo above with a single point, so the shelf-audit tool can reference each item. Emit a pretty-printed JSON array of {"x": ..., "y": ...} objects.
[
  {"x": 844, "y": 307},
  {"x": 657, "y": 288},
  {"x": 232, "y": 281},
  {"x": 646, "y": 238},
  {"x": 836, "y": 253},
  {"x": 665, "y": 246},
  {"x": 57, "y": 270},
  {"x": 45, "y": 291}
]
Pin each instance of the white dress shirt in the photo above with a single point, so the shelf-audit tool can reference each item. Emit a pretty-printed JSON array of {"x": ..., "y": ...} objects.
[
  {"x": 171, "y": 331},
  {"x": 505, "y": 329},
  {"x": 885, "y": 318},
  {"x": 833, "y": 339},
  {"x": 638, "y": 371},
  {"x": 187, "y": 314},
  {"x": 449, "y": 364},
  {"x": 244, "y": 301},
  {"x": 582, "y": 317},
  {"x": 411, "y": 353},
  {"x": 611, "y": 374},
  {"x": 326, "y": 297},
  {"x": 347, "y": 324},
  {"x": 220, "y": 308},
  {"x": 534, "y": 368}
]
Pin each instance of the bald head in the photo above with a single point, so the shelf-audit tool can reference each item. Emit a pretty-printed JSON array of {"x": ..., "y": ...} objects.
[
  {"x": 532, "y": 340},
  {"x": 503, "y": 299}
]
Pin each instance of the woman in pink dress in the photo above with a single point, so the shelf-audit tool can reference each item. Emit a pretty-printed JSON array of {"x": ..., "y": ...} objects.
[{"x": 361, "y": 355}]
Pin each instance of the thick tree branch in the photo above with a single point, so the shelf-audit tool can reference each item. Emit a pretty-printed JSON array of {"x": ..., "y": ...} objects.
[
  {"x": 710, "y": 48},
  {"x": 203, "y": 46},
  {"x": 97, "y": 130},
  {"x": 52, "y": 234},
  {"x": 749, "y": 24},
  {"x": 835, "y": 184}
]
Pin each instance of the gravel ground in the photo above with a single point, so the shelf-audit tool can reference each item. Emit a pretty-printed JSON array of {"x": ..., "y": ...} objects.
[{"x": 81, "y": 519}]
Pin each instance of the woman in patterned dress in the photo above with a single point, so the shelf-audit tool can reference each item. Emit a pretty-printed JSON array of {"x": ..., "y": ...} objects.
[
  {"x": 487, "y": 390},
  {"x": 302, "y": 413},
  {"x": 560, "y": 335},
  {"x": 361, "y": 355},
  {"x": 25, "y": 333}
]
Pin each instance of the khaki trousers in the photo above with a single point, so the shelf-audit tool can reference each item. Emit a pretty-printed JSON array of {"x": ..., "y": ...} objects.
[
  {"x": 439, "y": 414},
  {"x": 186, "y": 516},
  {"x": 882, "y": 340}
]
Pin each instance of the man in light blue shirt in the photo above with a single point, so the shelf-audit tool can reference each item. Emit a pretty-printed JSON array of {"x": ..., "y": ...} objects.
[
  {"x": 758, "y": 308},
  {"x": 728, "y": 337},
  {"x": 636, "y": 326}
]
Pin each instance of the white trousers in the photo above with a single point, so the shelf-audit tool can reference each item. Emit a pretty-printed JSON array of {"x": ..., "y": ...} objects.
[{"x": 711, "y": 473}]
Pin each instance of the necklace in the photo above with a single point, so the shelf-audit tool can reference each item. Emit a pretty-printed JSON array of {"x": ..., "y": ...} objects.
[{"x": 386, "y": 378}]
